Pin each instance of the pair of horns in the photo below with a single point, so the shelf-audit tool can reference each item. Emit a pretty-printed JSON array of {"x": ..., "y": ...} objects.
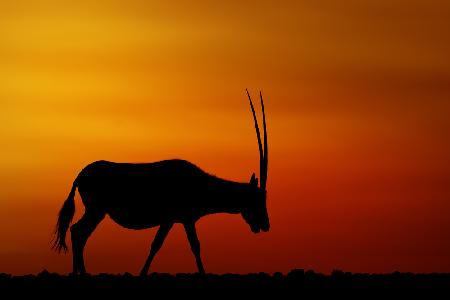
[{"x": 263, "y": 159}]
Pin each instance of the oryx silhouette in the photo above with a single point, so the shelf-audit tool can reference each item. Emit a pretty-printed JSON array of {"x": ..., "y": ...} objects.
[{"x": 140, "y": 196}]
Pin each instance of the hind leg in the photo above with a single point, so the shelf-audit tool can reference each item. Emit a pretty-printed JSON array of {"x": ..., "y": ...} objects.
[{"x": 80, "y": 233}]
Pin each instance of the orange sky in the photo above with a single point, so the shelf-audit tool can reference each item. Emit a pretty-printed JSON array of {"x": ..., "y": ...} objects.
[{"x": 358, "y": 102}]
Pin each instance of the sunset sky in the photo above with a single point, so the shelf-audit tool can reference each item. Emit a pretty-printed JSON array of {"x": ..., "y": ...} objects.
[{"x": 357, "y": 97}]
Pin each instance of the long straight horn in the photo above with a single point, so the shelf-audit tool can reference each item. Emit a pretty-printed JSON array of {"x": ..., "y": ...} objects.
[
  {"x": 258, "y": 135},
  {"x": 263, "y": 174}
]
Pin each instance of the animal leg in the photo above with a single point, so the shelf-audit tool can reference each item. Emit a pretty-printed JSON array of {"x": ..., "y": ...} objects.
[
  {"x": 80, "y": 233},
  {"x": 191, "y": 233},
  {"x": 156, "y": 245}
]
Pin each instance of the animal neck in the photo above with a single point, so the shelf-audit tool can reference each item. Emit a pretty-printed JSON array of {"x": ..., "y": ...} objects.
[{"x": 228, "y": 196}]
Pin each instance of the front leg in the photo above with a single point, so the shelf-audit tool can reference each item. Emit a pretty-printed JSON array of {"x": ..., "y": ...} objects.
[
  {"x": 191, "y": 233},
  {"x": 156, "y": 245}
]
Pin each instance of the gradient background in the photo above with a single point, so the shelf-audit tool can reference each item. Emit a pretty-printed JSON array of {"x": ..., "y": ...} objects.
[{"x": 358, "y": 103}]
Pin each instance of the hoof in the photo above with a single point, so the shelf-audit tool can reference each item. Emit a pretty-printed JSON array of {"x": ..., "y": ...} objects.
[{"x": 143, "y": 274}]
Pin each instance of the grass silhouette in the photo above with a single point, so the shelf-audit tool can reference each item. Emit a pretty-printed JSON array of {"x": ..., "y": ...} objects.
[{"x": 297, "y": 282}]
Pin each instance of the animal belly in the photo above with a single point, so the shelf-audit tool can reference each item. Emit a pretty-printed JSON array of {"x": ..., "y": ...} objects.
[
  {"x": 134, "y": 220},
  {"x": 140, "y": 214}
]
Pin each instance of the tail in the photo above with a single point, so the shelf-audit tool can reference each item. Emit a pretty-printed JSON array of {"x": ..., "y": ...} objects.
[{"x": 65, "y": 216}]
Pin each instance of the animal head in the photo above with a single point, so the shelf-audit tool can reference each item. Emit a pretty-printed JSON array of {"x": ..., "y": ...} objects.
[{"x": 255, "y": 210}]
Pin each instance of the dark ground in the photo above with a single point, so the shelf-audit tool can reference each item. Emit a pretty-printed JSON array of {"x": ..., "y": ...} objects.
[{"x": 47, "y": 285}]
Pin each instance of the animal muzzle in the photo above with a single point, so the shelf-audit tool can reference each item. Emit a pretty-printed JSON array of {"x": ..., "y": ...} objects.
[{"x": 265, "y": 227}]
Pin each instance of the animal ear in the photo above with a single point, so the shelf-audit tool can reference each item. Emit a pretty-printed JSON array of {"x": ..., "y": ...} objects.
[{"x": 254, "y": 180}]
